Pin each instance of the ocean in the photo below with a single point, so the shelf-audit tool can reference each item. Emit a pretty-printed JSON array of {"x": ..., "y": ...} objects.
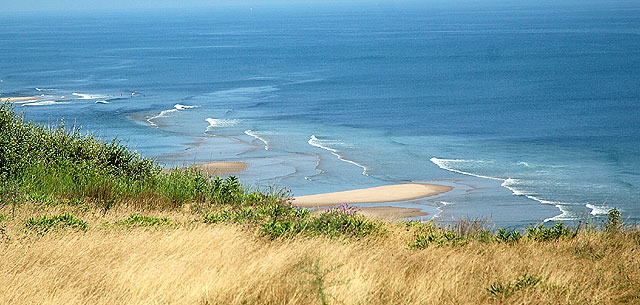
[{"x": 531, "y": 112}]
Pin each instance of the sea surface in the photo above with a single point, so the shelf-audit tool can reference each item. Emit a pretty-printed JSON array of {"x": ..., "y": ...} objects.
[{"x": 532, "y": 112}]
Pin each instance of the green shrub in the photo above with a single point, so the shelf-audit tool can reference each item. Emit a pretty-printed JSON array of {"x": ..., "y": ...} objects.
[
  {"x": 145, "y": 221},
  {"x": 526, "y": 281},
  {"x": 542, "y": 233},
  {"x": 614, "y": 223},
  {"x": 437, "y": 237},
  {"x": 508, "y": 236},
  {"x": 50, "y": 223}
]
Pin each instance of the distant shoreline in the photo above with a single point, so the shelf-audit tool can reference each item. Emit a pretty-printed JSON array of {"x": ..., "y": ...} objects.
[{"x": 19, "y": 99}]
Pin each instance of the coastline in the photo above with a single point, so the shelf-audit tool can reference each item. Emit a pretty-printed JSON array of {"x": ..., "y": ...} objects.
[
  {"x": 380, "y": 194},
  {"x": 19, "y": 99}
]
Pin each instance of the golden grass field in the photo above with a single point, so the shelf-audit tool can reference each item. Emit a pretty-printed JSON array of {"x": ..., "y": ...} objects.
[{"x": 196, "y": 263}]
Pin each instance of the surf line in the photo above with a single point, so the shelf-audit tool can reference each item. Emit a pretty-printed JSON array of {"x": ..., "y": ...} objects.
[
  {"x": 313, "y": 141},
  {"x": 164, "y": 113},
  {"x": 252, "y": 133},
  {"x": 506, "y": 183}
]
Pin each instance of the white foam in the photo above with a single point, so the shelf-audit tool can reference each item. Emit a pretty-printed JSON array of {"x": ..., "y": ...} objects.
[
  {"x": 217, "y": 123},
  {"x": 165, "y": 113},
  {"x": 102, "y": 102},
  {"x": 162, "y": 114},
  {"x": 252, "y": 133},
  {"x": 598, "y": 209},
  {"x": 25, "y": 102},
  {"x": 44, "y": 89},
  {"x": 45, "y": 103},
  {"x": 82, "y": 96},
  {"x": 313, "y": 141},
  {"x": 564, "y": 215},
  {"x": 183, "y": 107},
  {"x": 445, "y": 164}
]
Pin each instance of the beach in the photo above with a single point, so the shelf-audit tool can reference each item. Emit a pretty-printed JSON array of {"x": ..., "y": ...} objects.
[{"x": 19, "y": 99}]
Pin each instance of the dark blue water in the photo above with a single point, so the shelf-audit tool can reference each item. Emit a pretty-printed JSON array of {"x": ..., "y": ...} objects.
[{"x": 530, "y": 112}]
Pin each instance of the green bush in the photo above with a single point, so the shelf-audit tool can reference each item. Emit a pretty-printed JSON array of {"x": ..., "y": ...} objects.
[
  {"x": 542, "y": 233},
  {"x": 437, "y": 237},
  {"x": 145, "y": 221},
  {"x": 508, "y": 236},
  {"x": 614, "y": 223},
  {"x": 526, "y": 281},
  {"x": 50, "y": 223}
]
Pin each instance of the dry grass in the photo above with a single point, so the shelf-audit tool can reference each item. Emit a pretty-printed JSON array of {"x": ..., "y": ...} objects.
[{"x": 193, "y": 263}]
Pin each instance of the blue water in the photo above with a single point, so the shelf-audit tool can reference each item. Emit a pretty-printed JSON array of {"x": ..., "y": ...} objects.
[{"x": 532, "y": 113}]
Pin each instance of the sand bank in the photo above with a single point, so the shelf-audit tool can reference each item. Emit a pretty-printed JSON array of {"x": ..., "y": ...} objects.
[
  {"x": 220, "y": 168},
  {"x": 387, "y": 193},
  {"x": 19, "y": 99}
]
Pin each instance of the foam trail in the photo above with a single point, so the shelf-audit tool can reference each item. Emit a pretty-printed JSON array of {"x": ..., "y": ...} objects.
[
  {"x": 442, "y": 163},
  {"x": 506, "y": 183},
  {"x": 164, "y": 113},
  {"x": 44, "y": 89},
  {"x": 45, "y": 103},
  {"x": 214, "y": 123},
  {"x": 25, "y": 102},
  {"x": 252, "y": 133},
  {"x": 183, "y": 107},
  {"x": 82, "y": 96},
  {"x": 598, "y": 209},
  {"x": 102, "y": 102},
  {"x": 564, "y": 215},
  {"x": 313, "y": 141}
]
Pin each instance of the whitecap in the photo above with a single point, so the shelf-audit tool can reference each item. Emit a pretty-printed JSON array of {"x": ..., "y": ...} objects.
[
  {"x": 254, "y": 134},
  {"x": 446, "y": 164},
  {"x": 82, "y": 96},
  {"x": 102, "y": 102},
  {"x": 165, "y": 113},
  {"x": 162, "y": 114},
  {"x": 45, "y": 103},
  {"x": 183, "y": 107},
  {"x": 217, "y": 123},
  {"x": 314, "y": 141},
  {"x": 598, "y": 209}
]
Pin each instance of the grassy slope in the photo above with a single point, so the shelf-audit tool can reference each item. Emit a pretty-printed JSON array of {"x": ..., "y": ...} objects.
[{"x": 88, "y": 222}]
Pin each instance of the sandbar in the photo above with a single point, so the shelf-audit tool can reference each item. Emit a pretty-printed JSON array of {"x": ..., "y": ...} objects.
[
  {"x": 19, "y": 99},
  {"x": 387, "y": 193}
]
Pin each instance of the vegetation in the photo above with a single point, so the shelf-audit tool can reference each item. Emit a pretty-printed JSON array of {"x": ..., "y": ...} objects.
[{"x": 83, "y": 221}]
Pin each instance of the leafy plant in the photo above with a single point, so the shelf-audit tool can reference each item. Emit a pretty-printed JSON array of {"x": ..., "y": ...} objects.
[
  {"x": 437, "y": 237},
  {"x": 542, "y": 233},
  {"x": 318, "y": 280},
  {"x": 526, "y": 281},
  {"x": 614, "y": 223},
  {"x": 508, "y": 236},
  {"x": 50, "y": 223},
  {"x": 145, "y": 221}
]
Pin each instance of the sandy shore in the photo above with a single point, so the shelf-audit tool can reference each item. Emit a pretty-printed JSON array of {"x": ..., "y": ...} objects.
[
  {"x": 19, "y": 99},
  {"x": 220, "y": 168},
  {"x": 387, "y": 193}
]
